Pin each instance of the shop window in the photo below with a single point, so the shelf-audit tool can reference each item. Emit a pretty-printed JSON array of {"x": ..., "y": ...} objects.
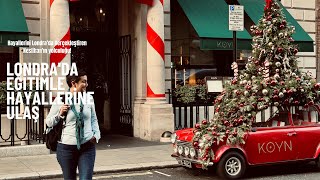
[
  {"x": 190, "y": 64},
  {"x": 7, "y": 55}
]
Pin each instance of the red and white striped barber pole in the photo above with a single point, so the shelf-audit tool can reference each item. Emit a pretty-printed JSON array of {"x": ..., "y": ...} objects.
[
  {"x": 155, "y": 52},
  {"x": 59, "y": 31}
]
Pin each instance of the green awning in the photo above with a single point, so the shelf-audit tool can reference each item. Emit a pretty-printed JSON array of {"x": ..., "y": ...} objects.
[
  {"x": 13, "y": 24},
  {"x": 255, "y": 8},
  {"x": 210, "y": 20}
]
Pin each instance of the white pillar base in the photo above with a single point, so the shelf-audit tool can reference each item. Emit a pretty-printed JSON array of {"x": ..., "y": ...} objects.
[
  {"x": 136, "y": 117},
  {"x": 154, "y": 119}
]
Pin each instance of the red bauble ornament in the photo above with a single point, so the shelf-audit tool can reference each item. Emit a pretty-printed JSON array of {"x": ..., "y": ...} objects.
[
  {"x": 281, "y": 26},
  {"x": 295, "y": 51},
  {"x": 284, "y": 22},
  {"x": 248, "y": 87},
  {"x": 296, "y": 102},
  {"x": 317, "y": 86},
  {"x": 214, "y": 133},
  {"x": 197, "y": 126},
  {"x": 241, "y": 105},
  {"x": 280, "y": 50},
  {"x": 234, "y": 81},
  {"x": 227, "y": 132},
  {"x": 254, "y": 105},
  {"x": 226, "y": 123},
  {"x": 276, "y": 91},
  {"x": 217, "y": 109},
  {"x": 204, "y": 122},
  {"x": 275, "y": 97},
  {"x": 256, "y": 62},
  {"x": 273, "y": 83},
  {"x": 290, "y": 92},
  {"x": 310, "y": 103},
  {"x": 282, "y": 83},
  {"x": 298, "y": 79},
  {"x": 258, "y": 32},
  {"x": 196, "y": 144}
]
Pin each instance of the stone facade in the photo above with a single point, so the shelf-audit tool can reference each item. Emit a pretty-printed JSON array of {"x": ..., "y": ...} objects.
[
  {"x": 305, "y": 13},
  {"x": 37, "y": 15},
  {"x": 133, "y": 21}
]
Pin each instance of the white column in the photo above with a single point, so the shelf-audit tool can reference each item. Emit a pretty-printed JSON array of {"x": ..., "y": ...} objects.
[
  {"x": 156, "y": 116},
  {"x": 155, "y": 54},
  {"x": 59, "y": 31}
]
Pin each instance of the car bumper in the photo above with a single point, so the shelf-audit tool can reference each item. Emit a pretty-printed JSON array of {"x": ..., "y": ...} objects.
[{"x": 182, "y": 158}]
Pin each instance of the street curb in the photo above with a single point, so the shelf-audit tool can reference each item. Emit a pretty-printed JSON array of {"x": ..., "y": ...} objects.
[
  {"x": 28, "y": 150},
  {"x": 137, "y": 168},
  {"x": 99, "y": 170}
]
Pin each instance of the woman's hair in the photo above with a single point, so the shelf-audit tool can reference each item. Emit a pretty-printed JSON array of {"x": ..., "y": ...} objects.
[{"x": 75, "y": 78}]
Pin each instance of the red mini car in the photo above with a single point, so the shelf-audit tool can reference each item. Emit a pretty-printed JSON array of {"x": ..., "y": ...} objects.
[{"x": 285, "y": 137}]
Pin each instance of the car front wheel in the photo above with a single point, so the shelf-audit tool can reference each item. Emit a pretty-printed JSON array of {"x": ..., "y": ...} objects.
[{"x": 231, "y": 166}]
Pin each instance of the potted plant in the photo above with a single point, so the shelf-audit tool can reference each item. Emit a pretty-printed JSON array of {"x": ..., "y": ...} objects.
[{"x": 191, "y": 94}]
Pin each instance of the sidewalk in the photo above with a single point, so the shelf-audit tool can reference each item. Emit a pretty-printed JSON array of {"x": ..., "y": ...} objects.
[{"x": 114, "y": 153}]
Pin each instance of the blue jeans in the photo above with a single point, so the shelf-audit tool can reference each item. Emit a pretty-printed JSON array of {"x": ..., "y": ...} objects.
[{"x": 69, "y": 158}]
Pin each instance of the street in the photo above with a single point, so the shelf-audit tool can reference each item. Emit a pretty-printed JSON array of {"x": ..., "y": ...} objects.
[{"x": 279, "y": 172}]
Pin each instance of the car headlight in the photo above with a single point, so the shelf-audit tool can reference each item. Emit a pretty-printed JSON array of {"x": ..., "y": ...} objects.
[
  {"x": 173, "y": 138},
  {"x": 186, "y": 151},
  {"x": 192, "y": 152},
  {"x": 180, "y": 149}
]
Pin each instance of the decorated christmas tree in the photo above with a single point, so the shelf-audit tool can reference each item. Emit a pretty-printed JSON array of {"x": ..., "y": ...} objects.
[{"x": 271, "y": 78}]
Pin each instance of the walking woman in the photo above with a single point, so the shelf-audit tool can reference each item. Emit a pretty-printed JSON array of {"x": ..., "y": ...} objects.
[{"x": 80, "y": 133}]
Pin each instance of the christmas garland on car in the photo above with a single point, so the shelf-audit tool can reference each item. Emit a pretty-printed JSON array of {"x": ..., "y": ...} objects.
[{"x": 271, "y": 78}]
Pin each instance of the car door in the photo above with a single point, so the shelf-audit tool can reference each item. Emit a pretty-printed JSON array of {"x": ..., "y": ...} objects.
[
  {"x": 271, "y": 144},
  {"x": 307, "y": 130}
]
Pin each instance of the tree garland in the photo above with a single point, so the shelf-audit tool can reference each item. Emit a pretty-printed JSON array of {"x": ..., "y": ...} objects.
[{"x": 271, "y": 78}]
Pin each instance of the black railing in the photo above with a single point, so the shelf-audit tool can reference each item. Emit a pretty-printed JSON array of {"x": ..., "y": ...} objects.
[
  {"x": 16, "y": 130},
  {"x": 187, "y": 115}
]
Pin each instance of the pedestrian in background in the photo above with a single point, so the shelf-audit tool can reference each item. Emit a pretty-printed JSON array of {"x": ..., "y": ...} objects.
[{"x": 80, "y": 133}]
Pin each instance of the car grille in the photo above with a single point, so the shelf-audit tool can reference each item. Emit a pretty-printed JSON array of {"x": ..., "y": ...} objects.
[{"x": 185, "y": 144}]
